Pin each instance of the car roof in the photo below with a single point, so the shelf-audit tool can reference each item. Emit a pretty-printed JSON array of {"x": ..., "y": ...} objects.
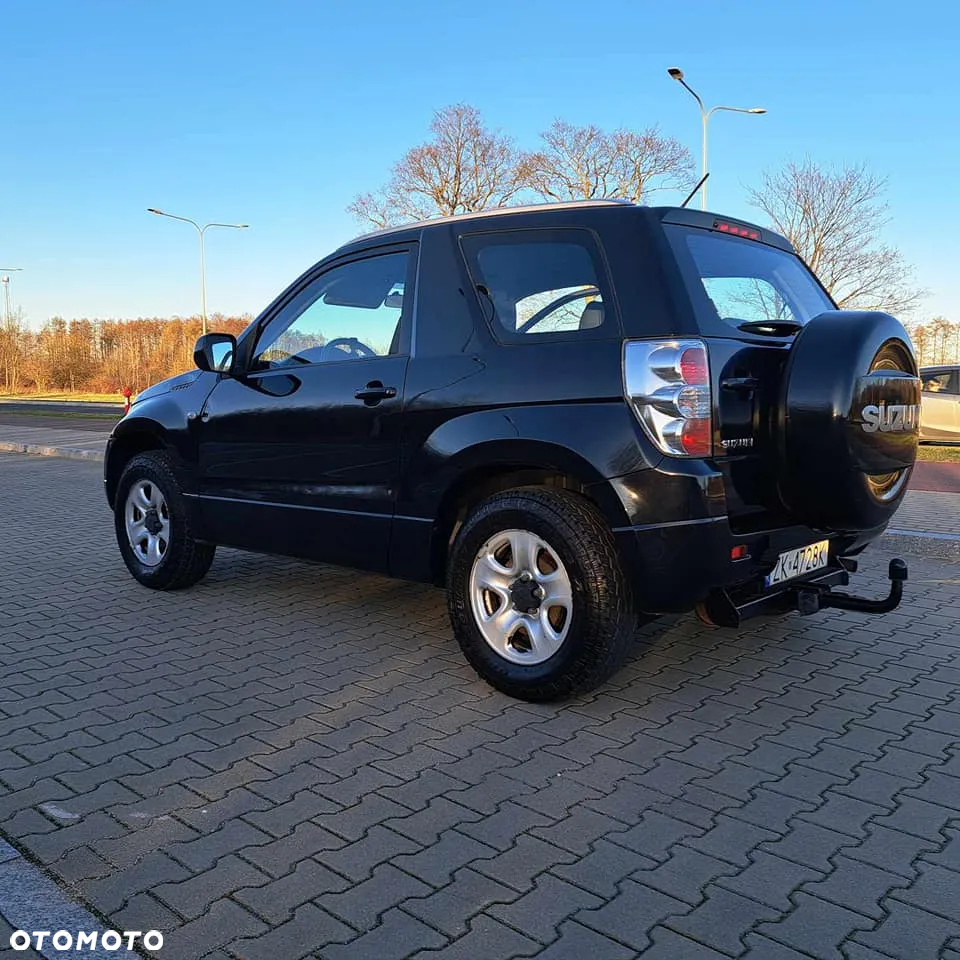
[{"x": 677, "y": 215}]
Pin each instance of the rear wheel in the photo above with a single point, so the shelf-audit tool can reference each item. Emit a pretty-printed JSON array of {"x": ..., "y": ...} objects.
[
  {"x": 537, "y": 597},
  {"x": 154, "y": 527}
]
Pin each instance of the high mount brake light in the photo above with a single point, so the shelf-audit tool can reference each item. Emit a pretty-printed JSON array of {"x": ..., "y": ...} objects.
[
  {"x": 736, "y": 229},
  {"x": 667, "y": 383}
]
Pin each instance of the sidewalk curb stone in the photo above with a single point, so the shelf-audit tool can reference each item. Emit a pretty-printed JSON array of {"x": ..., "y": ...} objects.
[{"x": 41, "y": 450}]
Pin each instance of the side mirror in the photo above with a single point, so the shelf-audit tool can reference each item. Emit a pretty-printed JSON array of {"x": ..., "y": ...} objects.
[{"x": 214, "y": 352}]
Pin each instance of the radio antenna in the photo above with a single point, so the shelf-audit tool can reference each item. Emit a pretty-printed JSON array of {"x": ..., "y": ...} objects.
[{"x": 693, "y": 192}]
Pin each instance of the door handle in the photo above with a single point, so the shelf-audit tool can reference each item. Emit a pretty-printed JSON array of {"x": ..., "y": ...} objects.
[
  {"x": 742, "y": 385},
  {"x": 374, "y": 392}
]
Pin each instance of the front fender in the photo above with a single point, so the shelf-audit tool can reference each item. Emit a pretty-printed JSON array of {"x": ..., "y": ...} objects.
[{"x": 160, "y": 422}]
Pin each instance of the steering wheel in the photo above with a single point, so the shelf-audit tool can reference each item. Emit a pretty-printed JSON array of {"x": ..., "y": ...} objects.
[
  {"x": 348, "y": 345},
  {"x": 560, "y": 301}
]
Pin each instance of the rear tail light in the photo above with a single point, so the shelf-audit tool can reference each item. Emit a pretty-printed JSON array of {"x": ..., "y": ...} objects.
[{"x": 667, "y": 382}]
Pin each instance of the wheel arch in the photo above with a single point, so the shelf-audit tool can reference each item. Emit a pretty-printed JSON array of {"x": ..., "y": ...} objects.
[
  {"x": 130, "y": 438},
  {"x": 482, "y": 476}
]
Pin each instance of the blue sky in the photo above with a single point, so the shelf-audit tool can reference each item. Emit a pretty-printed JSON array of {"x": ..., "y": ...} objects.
[{"x": 277, "y": 114}]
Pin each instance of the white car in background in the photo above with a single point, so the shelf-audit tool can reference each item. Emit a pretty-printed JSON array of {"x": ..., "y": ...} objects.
[{"x": 940, "y": 403}]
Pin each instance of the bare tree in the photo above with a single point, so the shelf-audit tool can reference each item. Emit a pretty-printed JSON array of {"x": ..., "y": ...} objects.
[
  {"x": 464, "y": 167},
  {"x": 13, "y": 348},
  {"x": 834, "y": 219},
  {"x": 580, "y": 163},
  {"x": 940, "y": 330},
  {"x": 920, "y": 336}
]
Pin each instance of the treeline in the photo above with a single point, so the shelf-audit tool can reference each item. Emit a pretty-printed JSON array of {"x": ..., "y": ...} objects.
[
  {"x": 101, "y": 356},
  {"x": 937, "y": 341},
  {"x": 104, "y": 356}
]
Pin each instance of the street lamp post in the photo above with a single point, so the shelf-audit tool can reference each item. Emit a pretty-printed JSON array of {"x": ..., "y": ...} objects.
[
  {"x": 201, "y": 230},
  {"x": 705, "y": 115},
  {"x": 5, "y": 280}
]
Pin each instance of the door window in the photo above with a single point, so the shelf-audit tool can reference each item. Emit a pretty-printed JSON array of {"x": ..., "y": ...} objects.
[
  {"x": 945, "y": 382},
  {"x": 351, "y": 312},
  {"x": 537, "y": 282}
]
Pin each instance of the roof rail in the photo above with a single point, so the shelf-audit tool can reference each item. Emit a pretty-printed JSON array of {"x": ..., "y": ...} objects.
[{"x": 494, "y": 212}]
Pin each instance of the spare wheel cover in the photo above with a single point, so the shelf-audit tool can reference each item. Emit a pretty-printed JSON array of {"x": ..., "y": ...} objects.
[{"x": 849, "y": 420}]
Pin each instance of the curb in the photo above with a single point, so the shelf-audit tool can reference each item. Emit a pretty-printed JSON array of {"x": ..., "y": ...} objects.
[
  {"x": 40, "y": 450},
  {"x": 31, "y": 900}
]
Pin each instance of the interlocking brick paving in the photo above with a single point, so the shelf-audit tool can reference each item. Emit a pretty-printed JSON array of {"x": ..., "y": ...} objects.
[{"x": 293, "y": 760}]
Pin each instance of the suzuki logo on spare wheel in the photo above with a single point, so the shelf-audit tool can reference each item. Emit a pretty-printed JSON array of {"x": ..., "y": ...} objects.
[{"x": 890, "y": 417}]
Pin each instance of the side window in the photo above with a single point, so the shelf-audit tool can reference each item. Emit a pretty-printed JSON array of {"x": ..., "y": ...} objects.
[
  {"x": 350, "y": 312},
  {"x": 945, "y": 382},
  {"x": 533, "y": 283}
]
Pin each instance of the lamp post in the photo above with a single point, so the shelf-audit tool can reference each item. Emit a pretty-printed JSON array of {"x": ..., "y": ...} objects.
[
  {"x": 5, "y": 280},
  {"x": 201, "y": 230},
  {"x": 705, "y": 115}
]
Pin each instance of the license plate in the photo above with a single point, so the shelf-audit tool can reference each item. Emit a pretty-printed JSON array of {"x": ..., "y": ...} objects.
[{"x": 796, "y": 563}]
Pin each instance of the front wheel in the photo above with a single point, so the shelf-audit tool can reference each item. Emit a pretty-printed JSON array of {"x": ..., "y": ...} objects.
[
  {"x": 537, "y": 597},
  {"x": 154, "y": 527}
]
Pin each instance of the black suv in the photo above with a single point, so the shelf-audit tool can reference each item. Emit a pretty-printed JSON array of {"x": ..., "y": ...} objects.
[{"x": 571, "y": 415}]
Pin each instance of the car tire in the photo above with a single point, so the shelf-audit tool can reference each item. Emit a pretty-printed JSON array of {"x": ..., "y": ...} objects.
[
  {"x": 154, "y": 526},
  {"x": 569, "y": 543}
]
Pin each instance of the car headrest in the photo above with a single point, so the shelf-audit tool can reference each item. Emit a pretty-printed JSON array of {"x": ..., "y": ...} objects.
[{"x": 592, "y": 315}]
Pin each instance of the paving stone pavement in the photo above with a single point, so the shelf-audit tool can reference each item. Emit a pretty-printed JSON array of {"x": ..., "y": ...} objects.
[
  {"x": 293, "y": 760},
  {"x": 929, "y": 512}
]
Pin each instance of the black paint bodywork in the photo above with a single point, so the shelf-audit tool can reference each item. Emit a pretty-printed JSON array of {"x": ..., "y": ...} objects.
[{"x": 290, "y": 461}]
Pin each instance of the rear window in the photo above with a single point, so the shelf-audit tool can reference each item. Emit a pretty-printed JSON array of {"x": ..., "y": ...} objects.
[{"x": 733, "y": 281}]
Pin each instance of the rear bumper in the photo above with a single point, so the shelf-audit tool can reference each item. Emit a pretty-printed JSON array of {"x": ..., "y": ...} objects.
[{"x": 674, "y": 567}]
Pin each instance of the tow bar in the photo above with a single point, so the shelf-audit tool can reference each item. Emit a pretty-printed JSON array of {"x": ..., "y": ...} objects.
[
  {"x": 817, "y": 599},
  {"x": 723, "y": 608}
]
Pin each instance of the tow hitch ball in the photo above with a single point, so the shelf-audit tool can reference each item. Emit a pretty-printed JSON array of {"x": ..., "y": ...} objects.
[{"x": 812, "y": 600}]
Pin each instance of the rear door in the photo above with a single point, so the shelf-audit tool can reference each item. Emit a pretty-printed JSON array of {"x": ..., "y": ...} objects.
[{"x": 748, "y": 297}]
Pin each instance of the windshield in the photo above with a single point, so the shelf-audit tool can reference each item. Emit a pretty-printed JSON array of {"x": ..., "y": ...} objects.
[{"x": 733, "y": 281}]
